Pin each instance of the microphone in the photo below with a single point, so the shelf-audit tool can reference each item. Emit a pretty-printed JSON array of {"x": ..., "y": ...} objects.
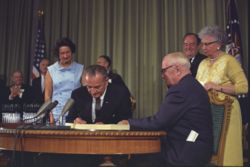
[
  {"x": 44, "y": 109},
  {"x": 41, "y": 109},
  {"x": 68, "y": 105},
  {"x": 50, "y": 107}
]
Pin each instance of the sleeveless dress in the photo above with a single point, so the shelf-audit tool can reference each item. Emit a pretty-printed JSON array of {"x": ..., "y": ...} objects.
[{"x": 64, "y": 80}]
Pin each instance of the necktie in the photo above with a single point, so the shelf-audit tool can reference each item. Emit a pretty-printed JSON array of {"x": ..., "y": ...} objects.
[
  {"x": 95, "y": 113},
  {"x": 191, "y": 60},
  {"x": 97, "y": 104}
]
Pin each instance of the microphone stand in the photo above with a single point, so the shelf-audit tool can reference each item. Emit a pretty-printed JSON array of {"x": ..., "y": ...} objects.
[
  {"x": 31, "y": 124},
  {"x": 60, "y": 120}
]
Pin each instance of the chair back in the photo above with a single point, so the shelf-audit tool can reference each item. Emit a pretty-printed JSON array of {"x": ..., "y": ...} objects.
[{"x": 221, "y": 111}]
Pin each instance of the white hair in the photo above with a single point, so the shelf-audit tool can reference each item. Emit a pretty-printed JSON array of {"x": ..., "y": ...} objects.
[
  {"x": 178, "y": 58},
  {"x": 214, "y": 31}
]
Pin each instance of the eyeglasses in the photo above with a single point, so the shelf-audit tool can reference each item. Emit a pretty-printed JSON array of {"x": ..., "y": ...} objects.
[
  {"x": 208, "y": 43},
  {"x": 165, "y": 69}
]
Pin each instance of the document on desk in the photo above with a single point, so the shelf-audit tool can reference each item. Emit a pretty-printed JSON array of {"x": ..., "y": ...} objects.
[{"x": 93, "y": 127}]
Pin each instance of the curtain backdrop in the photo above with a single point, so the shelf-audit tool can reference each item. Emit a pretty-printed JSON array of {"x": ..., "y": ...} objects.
[{"x": 136, "y": 34}]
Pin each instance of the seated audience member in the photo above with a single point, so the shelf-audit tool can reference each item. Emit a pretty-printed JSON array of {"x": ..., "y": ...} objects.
[
  {"x": 3, "y": 96},
  {"x": 222, "y": 72},
  {"x": 38, "y": 83},
  {"x": 2, "y": 84},
  {"x": 3, "y": 92},
  {"x": 191, "y": 46},
  {"x": 185, "y": 115},
  {"x": 106, "y": 62},
  {"x": 18, "y": 92},
  {"x": 98, "y": 101}
]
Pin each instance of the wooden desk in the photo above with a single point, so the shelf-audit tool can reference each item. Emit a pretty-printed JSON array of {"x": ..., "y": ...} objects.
[{"x": 81, "y": 142}]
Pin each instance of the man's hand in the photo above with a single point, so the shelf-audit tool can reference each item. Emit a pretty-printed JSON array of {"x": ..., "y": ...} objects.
[
  {"x": 99, "y": 123},
  {"x": 123, "y": 122},
  {"x": 14, "y": 91},
  {"x": 78, "y": 120}
]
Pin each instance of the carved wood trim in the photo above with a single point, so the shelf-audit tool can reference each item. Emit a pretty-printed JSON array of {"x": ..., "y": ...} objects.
[{"x": 227, "y": 103}]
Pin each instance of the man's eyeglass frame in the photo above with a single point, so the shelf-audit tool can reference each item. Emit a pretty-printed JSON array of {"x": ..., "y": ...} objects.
[{"x": 165, "y": 69}]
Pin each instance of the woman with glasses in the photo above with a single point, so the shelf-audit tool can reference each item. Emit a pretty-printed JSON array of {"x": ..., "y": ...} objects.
[{"x": 223, "y": 73}]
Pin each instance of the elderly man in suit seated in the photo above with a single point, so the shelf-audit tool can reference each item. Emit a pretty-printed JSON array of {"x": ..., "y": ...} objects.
[{"x": 185, "y": 115}]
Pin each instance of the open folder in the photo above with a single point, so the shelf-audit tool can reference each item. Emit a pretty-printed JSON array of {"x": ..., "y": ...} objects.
[{"x": 98, "y": 126}]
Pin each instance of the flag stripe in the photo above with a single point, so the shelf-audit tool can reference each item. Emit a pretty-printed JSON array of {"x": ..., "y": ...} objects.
[{"x": 40, "y": 51}]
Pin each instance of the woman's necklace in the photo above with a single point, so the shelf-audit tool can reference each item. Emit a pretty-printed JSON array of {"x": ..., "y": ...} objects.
[{"x": 212, "y": 60}]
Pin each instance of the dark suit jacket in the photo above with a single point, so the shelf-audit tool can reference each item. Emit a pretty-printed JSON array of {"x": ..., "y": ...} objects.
[
  {"x": 195, "y": 64},
  {"x": 37, "y": 88},
  {"x": 186, "y": 107},
  {"x": 3, "y": 92},
  {"x": 3, "y": 96},
  {"x": 27, "y": 97},
  {"x": 116, "y": 105},
  {"x": 116, "y": 78}
]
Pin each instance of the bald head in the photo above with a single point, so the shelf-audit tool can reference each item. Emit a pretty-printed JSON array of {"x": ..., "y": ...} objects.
[
  {"x": 95, "y": 78},
  {"x": 174, "y": 67}
]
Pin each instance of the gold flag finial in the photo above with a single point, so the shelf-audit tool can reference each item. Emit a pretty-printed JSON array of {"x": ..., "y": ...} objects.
[{"x": 40, "y": 12}]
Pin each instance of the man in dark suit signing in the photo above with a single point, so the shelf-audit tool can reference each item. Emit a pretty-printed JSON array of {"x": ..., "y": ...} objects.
[
  {"x": 185, "y": 115},
  {"x": 191, "y": 46},
  {"x": 99, "y": 101}
]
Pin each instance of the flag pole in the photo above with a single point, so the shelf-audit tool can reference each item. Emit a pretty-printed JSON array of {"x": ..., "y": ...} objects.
[{"x": 39, "y": 51}]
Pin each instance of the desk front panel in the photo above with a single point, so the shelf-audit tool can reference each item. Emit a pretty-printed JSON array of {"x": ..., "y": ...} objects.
[{"x": 81, "y": 142}]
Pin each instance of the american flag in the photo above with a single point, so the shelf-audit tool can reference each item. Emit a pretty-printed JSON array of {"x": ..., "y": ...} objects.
[
  {"x": 40, "y": 51},
  {"x": 233, "y": 32},
  {"x": 234, "y": 48}
]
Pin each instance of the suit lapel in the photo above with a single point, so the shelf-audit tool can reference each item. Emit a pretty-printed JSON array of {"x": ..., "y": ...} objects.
[{"x": 106, "y": 102}]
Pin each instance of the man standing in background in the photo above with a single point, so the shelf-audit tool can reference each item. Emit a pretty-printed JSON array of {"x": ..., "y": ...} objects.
[
  {"x": 38, "y": 83},
  {"x": 191, "y": 46}
]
